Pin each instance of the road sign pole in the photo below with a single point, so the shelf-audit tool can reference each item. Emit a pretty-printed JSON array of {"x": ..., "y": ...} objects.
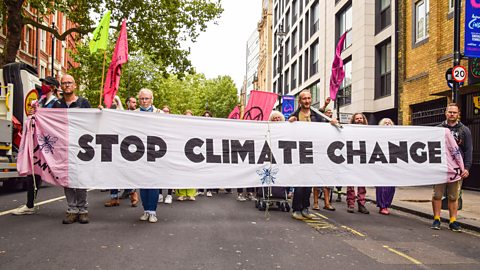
[{"x": 456, "y": 45}]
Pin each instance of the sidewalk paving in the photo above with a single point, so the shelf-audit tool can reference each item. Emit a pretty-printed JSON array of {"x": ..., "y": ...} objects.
[{"x": 417, "y": 201}]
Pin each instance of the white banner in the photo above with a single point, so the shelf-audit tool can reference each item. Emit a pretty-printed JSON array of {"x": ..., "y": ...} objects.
[{"x": 123, "y": 149}]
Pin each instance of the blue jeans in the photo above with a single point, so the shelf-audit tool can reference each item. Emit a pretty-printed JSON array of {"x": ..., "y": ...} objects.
[
  {"x": 149, "y": 199},
  {"x": 114, "y": 193}
]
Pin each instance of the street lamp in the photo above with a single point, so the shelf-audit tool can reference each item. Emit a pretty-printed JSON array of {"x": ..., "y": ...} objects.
[{"x": 280, "y": 37}]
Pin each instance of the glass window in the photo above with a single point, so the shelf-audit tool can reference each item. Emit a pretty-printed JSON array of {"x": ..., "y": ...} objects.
[
  {"x": 385, "y": 13},
  {"x": 294, "y": 42},
  {"x": 294, "y": 11},
  {"x": 345, "y": 24},
  {"x": 314, "y": 59},
  {"x": 344, "y": 95},
  {"x": 287, "y": 85},
  {"x": 315, "y": 19},
  {"x": 300, "y": 75},
  {"x": 422, "y": 12},
  {"x": 385, "y": 53},
  {"x": 294, "y": 75}
]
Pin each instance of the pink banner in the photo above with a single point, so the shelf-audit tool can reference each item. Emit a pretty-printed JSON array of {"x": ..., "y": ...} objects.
[
  {"x": 44, "y": 147},
  {"x": 455, "y": 165},
  {"x": 120, "y": 57},
  {"x": 338, "y": 74},
  {"x": 260, "y": 105},
  {"x": 235, "y": 114}
]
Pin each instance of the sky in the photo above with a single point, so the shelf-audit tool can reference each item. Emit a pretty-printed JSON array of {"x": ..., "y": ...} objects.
[{"x": 221, "y": 49}]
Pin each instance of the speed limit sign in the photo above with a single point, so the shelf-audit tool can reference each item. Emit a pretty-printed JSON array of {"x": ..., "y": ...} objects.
[{"x": 459, "y": 73}]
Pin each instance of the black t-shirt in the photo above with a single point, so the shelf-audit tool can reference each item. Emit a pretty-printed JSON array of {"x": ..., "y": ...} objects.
[{"x": 80, "y": 103}]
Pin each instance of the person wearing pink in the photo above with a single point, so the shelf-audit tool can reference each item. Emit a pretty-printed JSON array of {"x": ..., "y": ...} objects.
[{"x": 357, "y": 119}]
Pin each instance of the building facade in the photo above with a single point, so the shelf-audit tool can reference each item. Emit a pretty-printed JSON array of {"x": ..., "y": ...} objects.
[
  {"x": 37, "y": 45},
  {"x": 425, "y": 54},
  {"x": 305, "y": 37},
  {"x": 251, "y": 73},
  {"x": 265, "y": 49}
]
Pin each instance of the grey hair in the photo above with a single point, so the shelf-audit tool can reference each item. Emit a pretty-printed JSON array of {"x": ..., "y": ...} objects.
[
  {"x": 146, "y": 90},
  {"x": 276, "y": 113},
  {"x": 382, "y": 122}
]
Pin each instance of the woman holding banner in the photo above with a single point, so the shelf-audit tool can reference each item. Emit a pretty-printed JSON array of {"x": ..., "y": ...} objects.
[{"x": 385, "y": 194}]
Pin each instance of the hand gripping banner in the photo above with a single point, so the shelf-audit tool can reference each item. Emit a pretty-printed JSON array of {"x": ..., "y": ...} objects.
[{"x": 91, "y": 148}]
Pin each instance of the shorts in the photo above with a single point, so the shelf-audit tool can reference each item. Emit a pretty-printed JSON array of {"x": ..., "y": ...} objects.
[{"x": 453, "y": 190}]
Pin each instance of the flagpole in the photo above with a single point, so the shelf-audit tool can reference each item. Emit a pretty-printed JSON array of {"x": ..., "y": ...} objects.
[{"x": 103, "y": 76}]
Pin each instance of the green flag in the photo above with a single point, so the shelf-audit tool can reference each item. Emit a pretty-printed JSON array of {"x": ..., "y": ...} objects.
[{"x": 100, "y": 35}]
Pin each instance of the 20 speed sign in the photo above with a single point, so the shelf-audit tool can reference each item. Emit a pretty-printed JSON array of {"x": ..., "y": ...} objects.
[{"x": 459, "y": 74}]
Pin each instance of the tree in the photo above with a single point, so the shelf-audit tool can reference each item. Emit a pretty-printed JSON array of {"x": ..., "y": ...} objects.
[{"x": 156, "y": 26}]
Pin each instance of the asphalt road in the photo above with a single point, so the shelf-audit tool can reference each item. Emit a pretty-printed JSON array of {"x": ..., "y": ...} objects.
[{"x": 221, "y": 233}]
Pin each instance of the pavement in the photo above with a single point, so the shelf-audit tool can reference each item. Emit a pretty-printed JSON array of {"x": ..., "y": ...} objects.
[{"x": 417, "y": 201}]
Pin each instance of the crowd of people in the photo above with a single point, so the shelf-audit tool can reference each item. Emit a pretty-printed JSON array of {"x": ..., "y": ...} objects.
[{"x": 63, "y": 95}]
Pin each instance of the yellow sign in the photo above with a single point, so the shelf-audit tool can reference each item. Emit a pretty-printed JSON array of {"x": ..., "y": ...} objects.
[
  {"x": 31, "y": 96},
  {"x": 476, "y": 104}
]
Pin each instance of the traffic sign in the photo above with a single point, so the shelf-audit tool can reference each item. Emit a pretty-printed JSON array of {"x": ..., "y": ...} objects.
[{"x": 459, "y": 73}]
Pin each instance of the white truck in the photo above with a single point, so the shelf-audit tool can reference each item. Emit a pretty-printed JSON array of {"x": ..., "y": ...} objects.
[{"x": 19, "y": 86}]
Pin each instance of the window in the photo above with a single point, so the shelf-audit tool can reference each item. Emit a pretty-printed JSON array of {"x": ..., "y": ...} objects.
[
  {"x": 294, "y": 75},
  {"x": 344, "y": 95},
  {"x": 383, "y": 86},
  {"x": 314, "y": 19},
  {"x": 275, "y": 66},
  {"x": 275, "y": 17},
  {"x": 294, "y": 42},
  {"x": 43, "y": 71},
  {"x": 451, "y": 5},
  {"x": 314, "y": 59},
  {"x": 301, "y": 6},
  {"x": 345, "y": 24},
  {"x": 315, "y": 90},
  {"x": 305, "y": 72},
  {"x": 275, "y": 87},
  {"x": 306, "y": 27},
  {"x": 294, "y": 11},
  {"x": 43, "y": 40},
  {"x": 300, "y": 75},
  {"x": 422, "y": 12},
  {"x": 287, "y": 21},
  {"x": 27, "y": 40},
  {"x": 385, "y": 18},
  {"x": 287, "y": 86},
  {"x": 287, "y": 51},
  {"x": 300, "y": 37}
]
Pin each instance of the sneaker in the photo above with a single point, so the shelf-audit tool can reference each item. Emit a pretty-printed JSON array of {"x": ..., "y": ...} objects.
[
  {"x": 241, "y": 198},
  {"x": 24, "y": 210},
  {"x": 181, "y": 198},
  {"x": 350, "y": 209},
  {"x": 455, "y": 227},
  {"x": 298, "y": 215},
  {"x": 160, "y": 198},
  {"x": 168, "y": 199},
  {"x": 362, "y": 209},
  {"x": 200, "y": 193},
  {"x": 145, "y": 216},
  {"x": 112, "y": 202},
  {"x": 250, "y": 196},
  {"x": 191, "y": 198},
  {"x": 70, "y": 218},
  {"x": 329, "y": 208},
  {"x": 209, "y": 194},
  {"x": 306, "y": 213},
  {"x": 436, "y": 224},
  {"x": 384, "y": 211},
  {"x": 83, "y": 218},
  {"x": 152, "y": 219}
]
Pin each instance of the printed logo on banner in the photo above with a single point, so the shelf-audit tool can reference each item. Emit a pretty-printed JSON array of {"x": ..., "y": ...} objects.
[
  {"x": 267, "y": 175},
  {"x": 46, "y": 143},
  {"x": 255, "y": 113}
]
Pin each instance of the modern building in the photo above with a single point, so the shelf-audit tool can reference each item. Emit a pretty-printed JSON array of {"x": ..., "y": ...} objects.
[
  {"x": 305, "y": 36},
  {"x": 425, "y": 54},
  {"x": 252, "y": 56},
  {"x": 36, "y": 45}
]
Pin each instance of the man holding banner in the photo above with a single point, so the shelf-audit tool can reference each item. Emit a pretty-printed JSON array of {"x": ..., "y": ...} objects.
[
  {"x": 301, "y": 195},
  {"x": 76, "y": 197}
]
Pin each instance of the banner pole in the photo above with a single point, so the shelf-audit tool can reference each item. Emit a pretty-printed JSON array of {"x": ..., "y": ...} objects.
[{"x": 103, "y": 75}]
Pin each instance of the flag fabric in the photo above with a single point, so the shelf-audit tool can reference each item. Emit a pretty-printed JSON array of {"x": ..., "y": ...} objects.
[
  {"x": 64, "y": 148},
  {"x": 120, "y": 57},
  {"x": 260, "y": 105},
  {"x": 100, "y": 35},
  {"x": 338, "y": 74},
  {"x": 235, "y": 114}
]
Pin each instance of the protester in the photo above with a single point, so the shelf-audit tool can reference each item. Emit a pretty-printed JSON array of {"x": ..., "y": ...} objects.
[
  {"x": 149, "y": 196},
  {"x": 47, "y": 99},
  {"x": 357, "y": 119},
  {"x": 76, "y": 197},
  {"x": 209, "y": 191},
  {"x": 385, "y": 195},
  {"x": 463, "y": 137},
  {"x": 131, "y": 103},
  {"x": 168, "y": 199},
  {"x": 329, "y": 113},
  {"x": 186, "y": 194},
  {"x": 301, "y": 195}
]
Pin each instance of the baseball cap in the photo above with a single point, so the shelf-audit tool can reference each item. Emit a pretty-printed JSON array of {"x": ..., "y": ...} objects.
[{"x": 51, "y": 81}]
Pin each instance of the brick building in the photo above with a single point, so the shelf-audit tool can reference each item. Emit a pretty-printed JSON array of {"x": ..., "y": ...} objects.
[
  {"x": 36, "y": 45},
  {"x": 425, "y": 53}
]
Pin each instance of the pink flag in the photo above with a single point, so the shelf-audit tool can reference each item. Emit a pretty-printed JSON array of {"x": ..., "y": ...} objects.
[
  {"x": 235, "y": 114},
  {"x": 260, "y": 105},
  {"x": 337, "y": 69},
  {"x": 120, "y": 56}
]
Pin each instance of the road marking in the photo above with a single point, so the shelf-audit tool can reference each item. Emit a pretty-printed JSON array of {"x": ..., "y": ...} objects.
[
  {"x": 415, "y": 261},
  {"x": 471, "y": 233},
  {"x": 322, "y": 216},
  {"x": 353, "y": 231},
  {"x": 38, "y": 203}
]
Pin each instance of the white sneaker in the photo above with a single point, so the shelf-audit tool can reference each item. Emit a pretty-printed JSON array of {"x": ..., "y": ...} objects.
[
  {"x": 145, "y": 216},
  {"x": 200, "y": 193},
  {"x": 24, "y": 210},
  {"x": 160, "y": 198},
  {"x": 209, "y": 194},
  {"x": 241, "y": 198},
  {"x": 181, "y": 198},
  {"x": 152, "y": 219},
  {"x": 168, "y": 199}
]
